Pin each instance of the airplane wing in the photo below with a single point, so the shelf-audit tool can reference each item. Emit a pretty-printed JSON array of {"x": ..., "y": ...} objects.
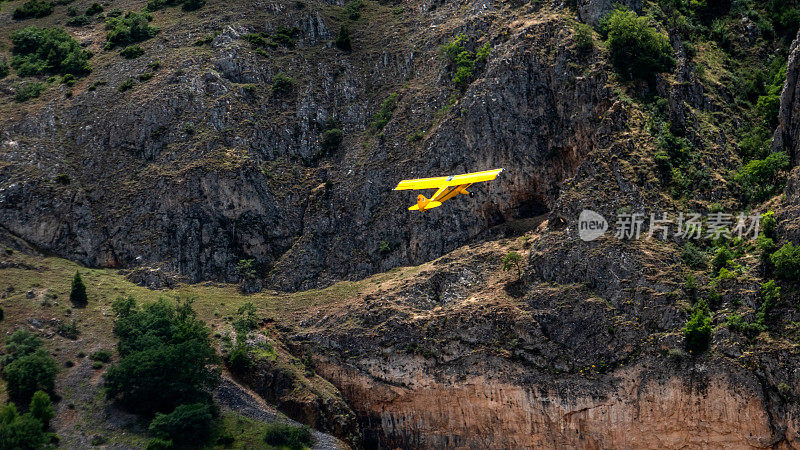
[{"x": 452, "y": 180}]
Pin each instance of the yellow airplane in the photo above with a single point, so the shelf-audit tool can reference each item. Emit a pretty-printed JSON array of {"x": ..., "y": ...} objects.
[{"x": 448, "y": 187}]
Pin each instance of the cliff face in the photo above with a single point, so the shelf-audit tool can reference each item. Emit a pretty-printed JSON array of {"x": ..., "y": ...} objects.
[{"x": 205, "y": 164}]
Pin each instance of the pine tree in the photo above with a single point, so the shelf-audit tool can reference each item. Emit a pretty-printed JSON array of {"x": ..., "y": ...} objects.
[{"x": 78, "y": 293}]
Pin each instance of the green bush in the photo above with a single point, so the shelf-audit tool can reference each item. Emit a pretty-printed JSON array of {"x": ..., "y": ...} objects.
[
  {"x": 20, "y": 431},
  {"x": 192, "y": 5},
  {"x": 132, "y": 52},
  {"x": 77, "y": 294},
  {"x": 285, "y": 36},
  {"x": 769, "y": 224},
  {"x": 4, "y": 69},
  {"x": 33, "y": 9},
  {"x": 285, "y": 435},
  {"x": 239, "y": 359},
  {"x": 736, "y": 322},
  {"x": 584, "y": 40},
  {"x": 381, "y": 118},
  {"x": 30, "y": 373},
  {"x": 330, "y": 140},
  {"x": 693, "y": 256},
  {"x": 343, "y": 41},
  {"x": 282, "y": 83},
  {"x": 20, "y": 343},
  {"x": 165, "y": 356},
  {"x": 787, "y": 262},
  {"x": 129, "y": 29},
  {"x": 69, "y": 329},
  {"x": 759, "y": 178},
  {"x": 101, "y": 355},
  {"x": 126, "y": 85},
  {"x": 246, "y": 318},
  {"x": 187, "y": 424},
  {"x": 27, "y": 91},
  {"x": 721, "y": 258},
  {"x": 42, "y": 408},
  {"x": 47, "y": 50},
  {"x": 159, "y": 444},
  {"x": 79, "y": 21},
  {"x": 93, "y": 9},
  {"x": 697, "y": 331},
  {"x": 637, "y": 49},
  {"x": 463, "y": 60},
  {"x": 353, "y": 9}
]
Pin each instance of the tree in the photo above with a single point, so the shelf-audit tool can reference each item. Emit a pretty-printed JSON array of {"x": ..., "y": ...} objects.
[
  {"x": 42, "y": 408},
  {"x": 697, "y": 331},
  {"x": 787, "y": 262},
  {"x": 19, "y": 344},
  {"x": 511, "y": 261},
  {"x": 247, "y": 319},
  {"x": 637, "y": 49},
  {"x": 77, "y": 295},
  {"x": 20, "y": 431},
  {"x": 47, "y": 50},
  {"x": 343, "y": 39},
  {"x": 30, "y": 373},
  {"x": 245, "y": 269},
  {"x": 187, "y": 424},
  {"x": 165, "y": 357}
]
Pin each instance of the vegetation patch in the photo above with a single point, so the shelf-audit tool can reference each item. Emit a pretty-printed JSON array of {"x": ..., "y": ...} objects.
[
  {"x": 129, "y": 29},
  {"x": 637, "y": 49},
  {"x": 33, "y": 9},
  {"x": 47, "y": 50}
]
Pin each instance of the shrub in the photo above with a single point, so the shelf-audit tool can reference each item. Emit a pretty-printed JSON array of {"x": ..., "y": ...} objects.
[
  {"x": 192, "y": 5},
  {"x": 330, "y": 140},
  {"x": 463, "y": 60},
  {"x": 769, "y": 224},
  {"x": 93, "y": 9},
  {"x": 68, "y": 79},
  {"x": 584, "y": 41},
  {"x": 20, "y": 431},
  {"x": 101, "y": 355},
  {"x": 69, "y": 330},
  {"x": 78, "y": 21},
  {"x": 512, "y": 261},
  {"x": 759, "y": 178},
  {"x": 77, "y": 294},
  {"x": 20, "y": 343},
  {"x": 165, "y": 356},
  {"x": 381, "y": 118},
  {"x": 246, "y": 318},
  {"x": 770, "y": 296},
  {"x": 721, "y": 258},
  {"x": 285, "y": 435},
  {"x": 239, "y": 359},
  {"x": 245, "y": 269},
  {"x": 47, "y": 50},
  {"x": 4, "y": 69},
  {"x": 787, "y": 262},
  {"x": 697, "y": 331},
  {"x": 28, "y": 91},
  {"x": 159, "y": 444},
  {"x": 693, "y": 256},
  {"x": 736, "y": 322},
  {"x": 30, "y": 373},
  {"x": 343, "y": 41},
  {"x": 126, "y": 86},
  {"x": 282, "y": 83},
  {"x": 33, "y": 9},
  {"x": 187, "y": 424},
  {"x": 129, "y": 29},
  {"x": 132, "y": 52},
  {"x": 145, "y": 76},
  {"x": 42, "y": 408},
  {"x": 637, "y": 49},
  {"x": 285, "y": 36}
]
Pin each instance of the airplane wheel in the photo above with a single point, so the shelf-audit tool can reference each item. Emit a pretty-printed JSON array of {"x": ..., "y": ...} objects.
[{"x": 471, "y": 195}]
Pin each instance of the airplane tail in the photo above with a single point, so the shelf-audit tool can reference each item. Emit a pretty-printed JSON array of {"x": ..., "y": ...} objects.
[{"x": 424, "y": 203}]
